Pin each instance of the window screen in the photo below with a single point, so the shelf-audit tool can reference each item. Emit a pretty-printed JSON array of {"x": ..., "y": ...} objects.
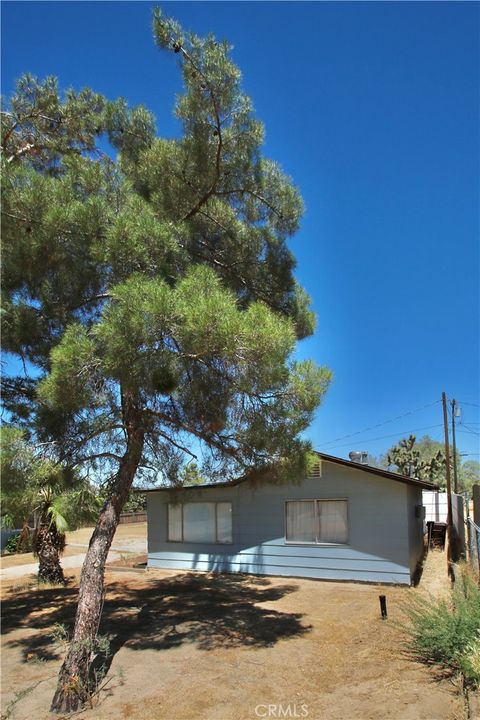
[
  {"x": 174, "y": 522},
  {"x": 224, "y": 522},
  {"x": 301, "y": 525},
  {"x": 207, "y": 522},
  {"x": 199, "y": 522},
  {"x": 316, "y": 521},
  {"x": 332, "y": 520}
]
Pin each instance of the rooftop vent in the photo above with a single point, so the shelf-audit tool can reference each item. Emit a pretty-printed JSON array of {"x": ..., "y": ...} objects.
[{"x": 359, "y": 456}]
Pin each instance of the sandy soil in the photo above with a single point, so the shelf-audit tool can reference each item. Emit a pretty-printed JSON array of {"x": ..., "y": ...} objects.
[
  {"x": 131, "y": 535},
  {"x": 8, "y": 561},
  {"x": 127, "y": 535},
  {"x": 224, "y": 647}
]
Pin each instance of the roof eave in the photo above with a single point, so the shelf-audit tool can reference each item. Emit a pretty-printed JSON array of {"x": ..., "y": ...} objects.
[
  {"x": 397, "y": 477},
  {"x": 378, "y": 471}
]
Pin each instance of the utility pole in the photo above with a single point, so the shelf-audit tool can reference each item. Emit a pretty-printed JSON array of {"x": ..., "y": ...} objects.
[
  {"x": 454, "y": 447},
  {"x": 447, "y": 458},
  {"x": 449, "y": 487}
]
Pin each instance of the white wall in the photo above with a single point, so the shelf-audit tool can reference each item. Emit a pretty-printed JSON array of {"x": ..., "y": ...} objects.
[
  {"x": 436, "y": 510},
  {"x": 436, "y": 507}
]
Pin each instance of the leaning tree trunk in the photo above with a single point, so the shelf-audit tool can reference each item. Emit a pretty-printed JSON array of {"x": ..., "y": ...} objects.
[
  {"x": 48, "y": 544},
  {"x": 73, "y": 689}
]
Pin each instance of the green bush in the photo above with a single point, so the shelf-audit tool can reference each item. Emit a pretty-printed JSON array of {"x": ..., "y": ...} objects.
[
  {"x": 470, "y": 662},
  {"x": 19, "y": 543},
  {"x": 12, "y": 543},
  {"x": 448, "y": 633}
]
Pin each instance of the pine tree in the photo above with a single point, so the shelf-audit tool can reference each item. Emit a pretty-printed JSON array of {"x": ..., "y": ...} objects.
[{"x": 155, "y": 295}]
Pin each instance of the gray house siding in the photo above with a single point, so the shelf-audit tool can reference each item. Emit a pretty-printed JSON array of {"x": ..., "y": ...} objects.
[
  {"x": 415, "y": 526},
  {"x": 377, "y": 550}
]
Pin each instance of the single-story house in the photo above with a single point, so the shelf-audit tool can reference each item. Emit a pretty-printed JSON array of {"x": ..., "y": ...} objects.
[{"x": 348, "y": 521}]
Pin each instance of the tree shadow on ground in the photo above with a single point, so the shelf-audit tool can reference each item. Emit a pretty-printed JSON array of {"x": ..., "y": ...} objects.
[{"x": 210, "y": 611}]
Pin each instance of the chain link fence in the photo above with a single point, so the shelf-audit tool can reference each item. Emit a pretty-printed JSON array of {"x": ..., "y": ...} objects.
[{"x": 474, "y": 545}]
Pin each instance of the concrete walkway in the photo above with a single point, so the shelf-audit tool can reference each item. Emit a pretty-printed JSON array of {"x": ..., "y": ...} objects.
[
  {"x": 132, "y": 546},
  {"x": 69, "y": 562}
]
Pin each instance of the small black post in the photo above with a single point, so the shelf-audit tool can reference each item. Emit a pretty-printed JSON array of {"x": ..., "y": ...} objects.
[{"x": 383, "y": 606}]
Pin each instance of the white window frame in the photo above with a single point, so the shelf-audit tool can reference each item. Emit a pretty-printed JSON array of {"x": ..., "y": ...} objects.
[
  {"x": 317, "y": 525},
  {"x": 211, "y": 542}
]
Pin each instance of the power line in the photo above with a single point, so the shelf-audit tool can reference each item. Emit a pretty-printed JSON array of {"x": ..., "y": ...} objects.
[
  {"x": 470, "y": 430},
  {"x": 385, "y": 422},
  {"x": 397, "y": 434},
  {"x": 459, "y": 403}
]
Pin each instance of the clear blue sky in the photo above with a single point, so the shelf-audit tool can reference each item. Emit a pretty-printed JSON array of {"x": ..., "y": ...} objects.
[{"x": 373, "y": 109}]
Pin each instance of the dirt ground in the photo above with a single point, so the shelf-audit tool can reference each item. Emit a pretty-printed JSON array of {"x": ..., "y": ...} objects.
[
  {"x": 124, "y": 535},
  {"x": 192, "y": 646},
  {"x": 131, "y": 534},
  {"x": 8, "y": 561}
]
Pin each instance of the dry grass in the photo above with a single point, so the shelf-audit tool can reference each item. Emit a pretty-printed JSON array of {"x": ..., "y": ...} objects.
[{"x": 123, "y": 533}]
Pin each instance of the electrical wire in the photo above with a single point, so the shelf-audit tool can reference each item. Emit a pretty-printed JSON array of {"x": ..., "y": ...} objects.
[
  {"x": 469, "y": 429},
  {"x": 384, "y": 437},
  {"x": 458, "y": 403},
  {"x": 385, "y": 422}
]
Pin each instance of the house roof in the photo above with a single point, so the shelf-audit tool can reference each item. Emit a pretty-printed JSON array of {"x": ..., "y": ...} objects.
[
  {"x": 327, "y": 458},
  {"x": 378, "y": 471}
]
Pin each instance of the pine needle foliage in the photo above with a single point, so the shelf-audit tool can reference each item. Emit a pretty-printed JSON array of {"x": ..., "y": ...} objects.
[{"x": 164, "y": 274}]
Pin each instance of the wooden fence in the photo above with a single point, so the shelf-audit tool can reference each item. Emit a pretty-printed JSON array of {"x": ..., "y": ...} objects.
[{"x": 133, "y": 517}]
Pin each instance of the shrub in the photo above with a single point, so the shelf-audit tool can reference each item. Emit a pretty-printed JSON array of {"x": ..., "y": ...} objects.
[
  {"x": 447, "y": 633},
  {"x": 19, "y": 543},
  {"x": 470, "y": 662},
  {"x": 12, "y": 543}
]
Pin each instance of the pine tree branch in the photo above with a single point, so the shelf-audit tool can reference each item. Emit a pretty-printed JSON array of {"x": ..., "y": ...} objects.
[
  {"x": 33, "y": 221},
  {"x": 88, "y": 301},
  {"x": 200, "y": 434},
  {"x": 8, "y": 133},
  {"x": 172, "y": 442},
  {"x": 98, "y": 456},
  {"x": 256, "y": 195},
  {"x": 218, "y": 128},
  {"x": 97, "y": 433}
]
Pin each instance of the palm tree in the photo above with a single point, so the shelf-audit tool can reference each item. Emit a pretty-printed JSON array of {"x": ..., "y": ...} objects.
[
  {"x": 57, "y": 498},
  {"x": 65, "y": 505}
]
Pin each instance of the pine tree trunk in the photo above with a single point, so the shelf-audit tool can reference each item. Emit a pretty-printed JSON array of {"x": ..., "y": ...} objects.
[
  {"x": 48, "y": 544},
  {"x": 73, "y": 689}
]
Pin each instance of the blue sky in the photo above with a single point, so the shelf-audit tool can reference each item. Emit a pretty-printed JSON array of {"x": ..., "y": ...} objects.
[{"x": 373, "y": 109}]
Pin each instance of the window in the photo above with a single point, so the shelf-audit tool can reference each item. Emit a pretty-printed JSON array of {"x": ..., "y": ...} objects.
[
  {"x": 316, "y": 521},
  {"x": 200, "y": 522},
  {"x": 175, "y": 522}
]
